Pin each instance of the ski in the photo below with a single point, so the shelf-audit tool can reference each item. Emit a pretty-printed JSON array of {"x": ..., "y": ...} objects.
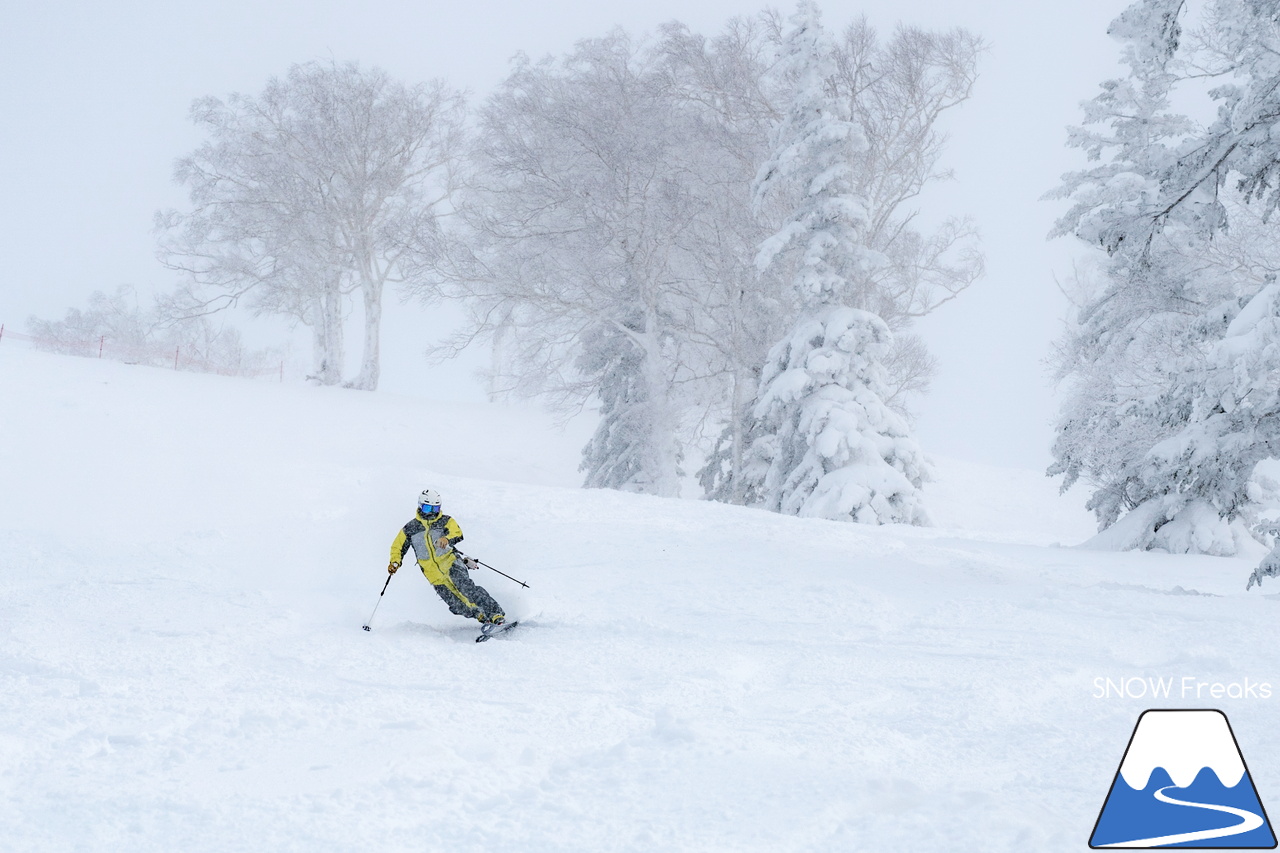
[{"x": 495, "y": 630}]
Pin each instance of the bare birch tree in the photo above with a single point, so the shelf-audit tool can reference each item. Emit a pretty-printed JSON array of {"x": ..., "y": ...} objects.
[
  {"x": 576, "y": 209},
  {"x": 325, "y": 185},
  {"x": 724, "y": 88}
]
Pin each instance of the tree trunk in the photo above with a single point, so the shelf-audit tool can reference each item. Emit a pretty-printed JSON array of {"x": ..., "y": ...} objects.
[
  {"x": 328, "y": 351},
  {"x": 369, "y": 367},
  {"x": 664, "y": 452},
  {"x": 497, "y": 358},
  {"x": 736, "y": 491}
]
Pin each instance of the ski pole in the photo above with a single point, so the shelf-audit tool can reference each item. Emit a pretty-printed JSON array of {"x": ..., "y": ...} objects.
[
  {"x": 491, "y": 568},
  {"x": 375, "y": 607}
]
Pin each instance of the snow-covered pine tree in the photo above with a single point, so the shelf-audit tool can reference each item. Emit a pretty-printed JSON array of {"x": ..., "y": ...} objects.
[
  {"x": 1116, "y": 204},
  {"x": 621, "y": 453},
  {"x": 1201, "y": 475},
  {"x": 1135, "y": 335},
  {"x": 1207, "y": 467},
  {"x": 895, "y": 89},
  {"x": 1125, "y": 363},
  {"x": 1172, "y": 363},
  {"x": 824, "y": 443}
]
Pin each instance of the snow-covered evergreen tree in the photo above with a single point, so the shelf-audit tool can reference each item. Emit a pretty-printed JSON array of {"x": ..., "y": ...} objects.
[
  {"x": 621, "y": 452},
  {"x": 823, "y": 441},
  {"x": 1116, "y": 203},
  {"x": 1171, "y": 365},
  {"x": 1135, "y": 334},
  {"x": 813, "y": 149},
  {"x": 1124, "y": 363},
  {"x": 1201, "y": 475},
  {"x": 826, "y": 444},
  {"x": 894, "y": 90},
  {"x": 1240, "y": 45}
]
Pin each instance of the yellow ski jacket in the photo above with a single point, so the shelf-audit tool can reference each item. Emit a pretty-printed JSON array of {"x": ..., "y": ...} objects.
[{"x": 422, "y": 533}]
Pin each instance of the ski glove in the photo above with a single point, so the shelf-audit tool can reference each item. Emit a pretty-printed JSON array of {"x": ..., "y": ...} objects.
[
  {"x": 391, "y": 568},
  {"x": 471, "y": 564},
  {"x": 442, "y": 543}
]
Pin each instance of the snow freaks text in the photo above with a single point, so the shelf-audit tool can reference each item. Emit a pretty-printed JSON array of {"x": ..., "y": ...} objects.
[{"x": 1184, "y": 687}]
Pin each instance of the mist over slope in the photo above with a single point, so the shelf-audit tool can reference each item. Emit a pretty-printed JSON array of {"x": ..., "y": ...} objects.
[{"x": 185, "y": 563}]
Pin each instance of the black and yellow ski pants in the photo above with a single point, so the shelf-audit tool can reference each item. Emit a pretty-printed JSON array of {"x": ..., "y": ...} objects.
[{"x": 463, "y": 595}]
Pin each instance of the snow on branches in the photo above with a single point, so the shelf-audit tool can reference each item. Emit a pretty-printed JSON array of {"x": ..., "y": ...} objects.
[
  {"x": 1172, "y": 364},
  {"x": 620, "y": 198},
  {"x": 826, "y": 445},
  {"x": 814, "y": 146},
  {"x": 328, "y": 183}
]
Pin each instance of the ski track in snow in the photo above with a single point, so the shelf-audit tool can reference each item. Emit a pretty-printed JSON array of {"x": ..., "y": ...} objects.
[{"x": 186, "y": 561}]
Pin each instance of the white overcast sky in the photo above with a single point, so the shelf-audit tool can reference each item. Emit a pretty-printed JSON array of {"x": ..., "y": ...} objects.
[{"x": 93, "y": 112}]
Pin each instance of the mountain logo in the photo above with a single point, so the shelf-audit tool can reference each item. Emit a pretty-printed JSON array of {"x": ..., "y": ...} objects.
[{"x": 1183, "y": 783}]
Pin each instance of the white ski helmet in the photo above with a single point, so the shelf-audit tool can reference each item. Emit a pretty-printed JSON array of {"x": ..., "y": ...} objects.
[{"x": 429, "y": 501}]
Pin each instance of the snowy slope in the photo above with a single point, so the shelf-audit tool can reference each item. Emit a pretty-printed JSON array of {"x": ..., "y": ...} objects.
[{"x": 185, "y": 563}]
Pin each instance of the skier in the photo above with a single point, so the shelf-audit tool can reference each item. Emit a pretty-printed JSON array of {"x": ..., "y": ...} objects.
[{"x": 433, "y": 536}]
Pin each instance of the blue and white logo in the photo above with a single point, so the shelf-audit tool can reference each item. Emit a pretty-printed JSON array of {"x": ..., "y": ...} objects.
[{"x": 1183, "y": 783}]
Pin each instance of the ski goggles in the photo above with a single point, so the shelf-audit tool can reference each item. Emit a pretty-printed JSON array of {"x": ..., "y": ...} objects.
[{"x": 429, "y": 509}]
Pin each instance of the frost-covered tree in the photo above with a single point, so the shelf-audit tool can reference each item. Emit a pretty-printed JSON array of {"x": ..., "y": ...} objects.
[
  {"x": 823, "y": 441},
  {"x": 1122, "y": 363},
  {"x": 575, "y": 211},
  {"x": 813, "y": 148},
  {"x": 1202, "y": 473},
  {"x": 1238, "y": 44},
  {"x": 724, "y": 91},
  {"x": 896, "y": 90},
  {"x": 1133, "y": 333},
  {"x": 1169, "y": 364},
  {"x": 117, "y": 327},
  {"x": 326, "y": 184},
  {"x": 613, "y": 234},
  {"x": 826, "y": 444},
  {"x": 80, "y": 332},
  {"x": 1130, "y": 130},
  {"x": 621, "y": 453}
]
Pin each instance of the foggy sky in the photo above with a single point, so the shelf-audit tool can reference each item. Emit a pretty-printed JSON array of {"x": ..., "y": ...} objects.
[{"x": 93, "y": 112}]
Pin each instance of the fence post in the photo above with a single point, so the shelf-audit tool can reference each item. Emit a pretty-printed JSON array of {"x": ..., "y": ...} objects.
[
  {"x": 175, "y": 357},
  {"x": 1, "y": 331},
  {"x": 101, "y": 340},
  {"x": 282, "y": 370}
]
